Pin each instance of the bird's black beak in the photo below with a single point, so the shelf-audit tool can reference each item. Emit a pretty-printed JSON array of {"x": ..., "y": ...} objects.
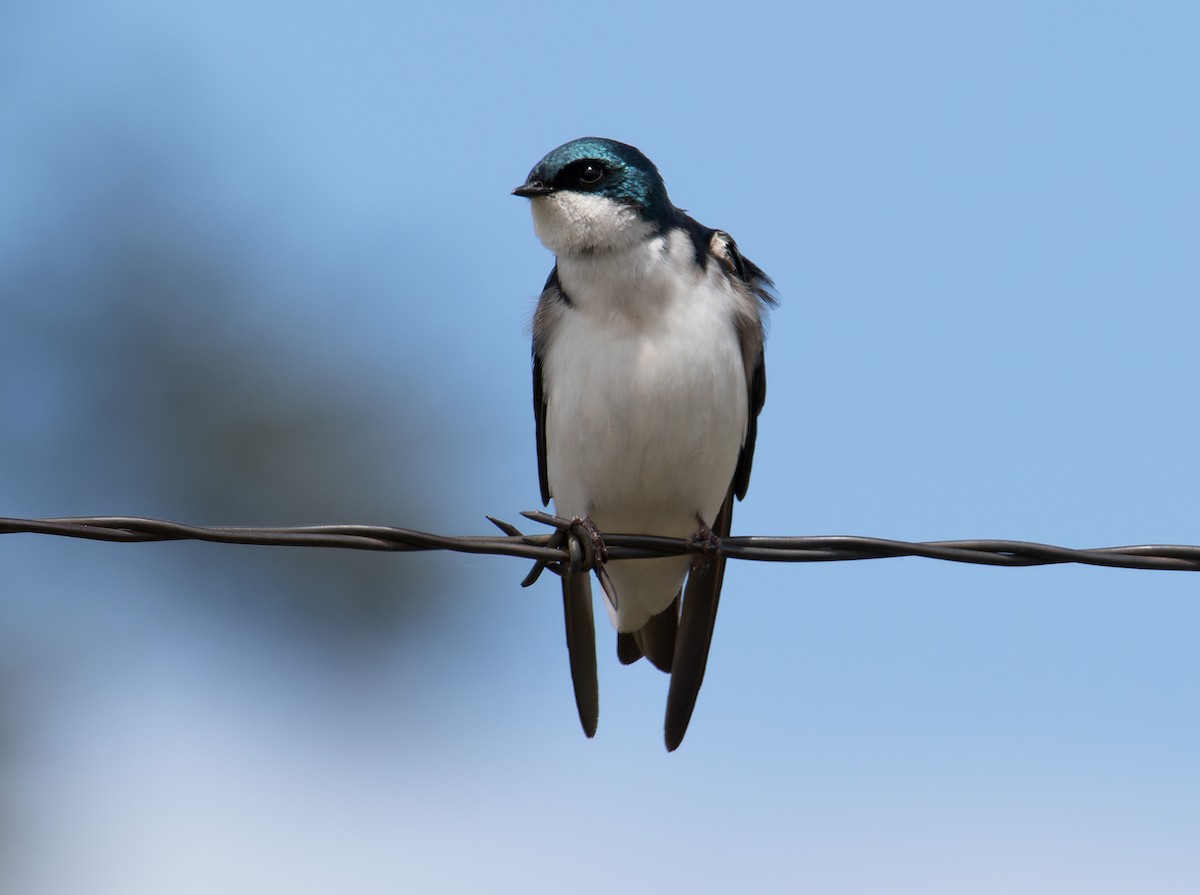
[{"x": 531, "y": 188}]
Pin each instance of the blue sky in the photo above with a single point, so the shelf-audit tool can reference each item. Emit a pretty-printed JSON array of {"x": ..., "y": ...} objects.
[{"x": 982, "y": 220}]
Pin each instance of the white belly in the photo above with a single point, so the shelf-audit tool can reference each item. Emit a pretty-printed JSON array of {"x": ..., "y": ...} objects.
[{"x": 646, "y": 416}]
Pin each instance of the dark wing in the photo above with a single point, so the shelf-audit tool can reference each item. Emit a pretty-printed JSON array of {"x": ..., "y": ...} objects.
[
  {"x": 577, "y": 589},
  {"x": 539, "y": 418},
  {"x": 756, "y": 375},
  {"x": 549, "y": 305},
  {"x": 703, "y": 591},
  {"x": 759, "y": 294}
]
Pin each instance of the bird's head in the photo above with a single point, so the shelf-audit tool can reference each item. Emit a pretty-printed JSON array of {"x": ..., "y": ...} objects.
[{"x": 595, "y": 195}]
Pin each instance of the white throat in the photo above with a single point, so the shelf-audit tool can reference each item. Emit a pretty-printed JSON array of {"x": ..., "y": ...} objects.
[{"x": 570, "y": 223}]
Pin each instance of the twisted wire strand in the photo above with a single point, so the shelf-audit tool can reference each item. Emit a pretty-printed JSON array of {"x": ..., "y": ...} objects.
[{"x": 560, "y": 549}]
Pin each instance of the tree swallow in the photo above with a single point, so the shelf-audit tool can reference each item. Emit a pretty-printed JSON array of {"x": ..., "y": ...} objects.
[{"x": 647, "y": 383}]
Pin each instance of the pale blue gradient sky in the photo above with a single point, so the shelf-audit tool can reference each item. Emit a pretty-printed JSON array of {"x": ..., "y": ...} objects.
[{"x": 982, "y": 220}]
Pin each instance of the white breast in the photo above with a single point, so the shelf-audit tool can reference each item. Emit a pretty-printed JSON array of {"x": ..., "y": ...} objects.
[{"x": 646, "y": 403}]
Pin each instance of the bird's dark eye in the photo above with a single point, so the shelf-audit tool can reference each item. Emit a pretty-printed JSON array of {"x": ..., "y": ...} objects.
[{"x": 591, "y": 174}]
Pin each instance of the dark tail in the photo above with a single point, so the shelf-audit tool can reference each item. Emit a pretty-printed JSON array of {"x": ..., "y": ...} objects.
[
  {"x": 581, "y": 648},
  {"x": 655, "y": 640},
  {"x": 700, "y": 599}
]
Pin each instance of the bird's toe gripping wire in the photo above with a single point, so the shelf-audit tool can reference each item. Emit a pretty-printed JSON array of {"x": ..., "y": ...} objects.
[
  {"x": 586, "y": 550},
  {"x": 707, "y": 540}
]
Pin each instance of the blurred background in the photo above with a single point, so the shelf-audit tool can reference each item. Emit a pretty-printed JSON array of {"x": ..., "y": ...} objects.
[{"x": 259, "y": 265}]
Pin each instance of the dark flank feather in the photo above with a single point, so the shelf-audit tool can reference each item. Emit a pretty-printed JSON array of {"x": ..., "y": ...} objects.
[
  {"x": 758, "y": 287},
  {"x": 552, "y": 291},
  {"x": 758, "y": 396}
]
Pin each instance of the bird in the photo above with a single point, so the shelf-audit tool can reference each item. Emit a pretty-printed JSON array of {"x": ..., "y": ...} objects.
[{"x": 648, "y": 380}]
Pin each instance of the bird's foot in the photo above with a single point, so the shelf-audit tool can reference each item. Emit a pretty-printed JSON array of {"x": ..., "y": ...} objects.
[
  {"x": 595, "y": 554},
  {"x": 708, "y": 542}
]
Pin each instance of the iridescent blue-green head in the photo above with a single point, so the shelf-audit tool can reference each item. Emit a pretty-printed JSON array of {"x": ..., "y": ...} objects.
[{"x": 595, "y": 194}]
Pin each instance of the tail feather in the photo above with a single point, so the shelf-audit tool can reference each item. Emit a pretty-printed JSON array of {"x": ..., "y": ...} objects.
[
  {"x": 581, "y": 648},
  {"x": 628, "y": 650},
  {"x": 656, "y": 639},
  {"x": 700, "y": 598}
]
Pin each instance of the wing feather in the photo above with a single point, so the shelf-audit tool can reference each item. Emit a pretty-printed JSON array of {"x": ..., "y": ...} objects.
[{"x": 550, "y": 305}]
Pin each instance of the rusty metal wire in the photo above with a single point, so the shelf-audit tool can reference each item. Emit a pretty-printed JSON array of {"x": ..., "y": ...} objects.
[{"x": 564, "y": 548}]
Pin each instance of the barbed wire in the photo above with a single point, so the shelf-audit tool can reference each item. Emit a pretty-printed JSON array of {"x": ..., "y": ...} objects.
[{"x": 565, "y": 548}]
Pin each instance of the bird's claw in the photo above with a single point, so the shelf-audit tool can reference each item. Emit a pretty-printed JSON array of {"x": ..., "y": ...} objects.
[
  {"x": 708, "y": 542},
  {"x": 585, "y": 547},
  {"x": 595, "y": 553}
]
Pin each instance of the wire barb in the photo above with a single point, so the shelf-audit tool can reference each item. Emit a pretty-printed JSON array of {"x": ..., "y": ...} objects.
[{"x": 562, "y": 549}]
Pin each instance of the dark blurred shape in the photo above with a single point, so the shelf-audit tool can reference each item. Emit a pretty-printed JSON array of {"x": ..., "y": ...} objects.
[
  {"x": 137, "y": 379},
  {"x": 148, "y": 366}
]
